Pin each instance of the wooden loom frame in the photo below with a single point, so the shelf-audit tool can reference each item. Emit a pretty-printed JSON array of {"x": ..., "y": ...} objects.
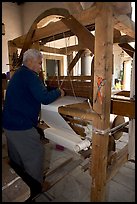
[{"x": 105, "y": 17}]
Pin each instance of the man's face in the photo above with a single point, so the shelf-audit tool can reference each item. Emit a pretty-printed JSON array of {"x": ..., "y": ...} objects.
[{"x": 37, "y": 64}]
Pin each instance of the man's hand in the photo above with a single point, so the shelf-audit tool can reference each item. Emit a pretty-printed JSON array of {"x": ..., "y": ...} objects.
[{"x": 62, "y": 92}]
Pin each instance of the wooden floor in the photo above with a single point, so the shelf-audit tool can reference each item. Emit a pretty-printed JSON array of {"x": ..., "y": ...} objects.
[
  {"x": 70, "y": 182},
  {"x": 73, "y": 184}
]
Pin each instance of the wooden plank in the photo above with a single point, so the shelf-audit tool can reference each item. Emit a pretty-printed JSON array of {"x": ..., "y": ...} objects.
[
  {"x": 73, "y": 88},
  {"x": 123, "y": 93},
  {"x": 80, "y": 110},
  {"x": 59, "y": 173},
  {"x": 67, "y": 84},
  {"x": 123, "y": 107},
  {"x": 50, "y": 49},
  {"x": 53, "y": 170},
  {"x": 72, "y": 78},
  {"x": 120, "y": 158},
  {"x": 14, "y": 189}
]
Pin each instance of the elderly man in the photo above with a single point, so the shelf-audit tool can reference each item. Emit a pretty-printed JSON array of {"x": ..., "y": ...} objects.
[{"x": 24, "y": 96}]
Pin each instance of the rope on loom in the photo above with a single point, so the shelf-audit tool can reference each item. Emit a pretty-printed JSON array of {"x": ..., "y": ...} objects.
[
  {"x": 67, "y": 59},
  {"x": 56, "y": 62},
  {"x": 71, "y": 83},
  {"x": 71, "y": 80},
  {"x": 59, "y": 85},
  {"x": 67, "y": 71}
]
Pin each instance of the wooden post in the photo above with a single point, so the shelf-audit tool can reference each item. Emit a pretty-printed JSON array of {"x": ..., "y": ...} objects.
[
  {"x": 69, "y": 59},
  {"x": 101, "y": 104},
  {"x": 12, "y": 51}
]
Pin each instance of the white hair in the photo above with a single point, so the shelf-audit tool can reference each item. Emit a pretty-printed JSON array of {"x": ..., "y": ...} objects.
[{"x": 31, "y": 53}]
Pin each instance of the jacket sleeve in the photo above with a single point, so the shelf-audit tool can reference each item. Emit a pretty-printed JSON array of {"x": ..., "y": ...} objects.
[{"x": 40, "y": 91}]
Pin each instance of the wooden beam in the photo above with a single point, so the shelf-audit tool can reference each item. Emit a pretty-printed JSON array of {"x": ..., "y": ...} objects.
[
  {"x": 127, "y": 48},
  {"x": 68, "y": 78},
  {"x": 28, "y": 39},
  {"x": 74, "y": 7},
  {"x": 84, "y": 36},
  {"x": 122, "y": 7},
  {"x": 61, "y": 35},
  {"x": 123, "y": 107},
  {"x": 123, "y": 93},
  {"x": 125, "y": 24},
  {"x": 12, "y": 51},
  {"x": 75, "y": 60},
  {"x": 123, "y": 39},
  {"x": 119, "y": 160},
  {"x": 50, "y": 49},
  {"x": 70, "y": 49},
  {"x": 102, "y": 71}
]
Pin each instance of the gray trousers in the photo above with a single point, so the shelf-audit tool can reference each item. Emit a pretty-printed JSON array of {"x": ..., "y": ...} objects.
[{"x": 26, "y": 150}]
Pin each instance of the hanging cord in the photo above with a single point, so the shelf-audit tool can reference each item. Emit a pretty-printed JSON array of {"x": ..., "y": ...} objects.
[
  {"x": 71, "y": 81},
  {"x": 72, "y": 86},
  {"x": 91, "y": 108},
  {"x": 56, "y": 63},
  {"x": 52, "y": 77},
  {"x": 66, "y": 59}
]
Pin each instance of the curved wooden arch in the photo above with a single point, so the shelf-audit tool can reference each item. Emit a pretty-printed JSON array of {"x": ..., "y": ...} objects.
[
  {"x": 54, "y": 11},
  {"x": 77, "y": 28}
]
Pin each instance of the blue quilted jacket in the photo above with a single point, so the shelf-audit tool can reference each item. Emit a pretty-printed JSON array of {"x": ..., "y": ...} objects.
[{"x": 24, "y": 96}]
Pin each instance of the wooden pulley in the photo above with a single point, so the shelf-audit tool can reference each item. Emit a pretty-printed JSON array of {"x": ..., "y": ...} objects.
[{"x": 116, "y": 120}]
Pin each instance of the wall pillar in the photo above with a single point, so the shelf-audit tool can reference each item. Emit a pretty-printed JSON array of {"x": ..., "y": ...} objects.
[{"x": 86, "y": 61}]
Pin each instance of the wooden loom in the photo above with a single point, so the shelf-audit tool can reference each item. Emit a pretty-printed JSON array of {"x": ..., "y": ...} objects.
[{"x": 107, "y": 19}]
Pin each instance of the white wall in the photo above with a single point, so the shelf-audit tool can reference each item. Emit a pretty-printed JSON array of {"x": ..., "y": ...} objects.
[
  {"x": 31, "y": 10},
  {"x": 117, "y": 63},
  {"x": 18, "y": 19},
  {"x": 11, "y": 17}
]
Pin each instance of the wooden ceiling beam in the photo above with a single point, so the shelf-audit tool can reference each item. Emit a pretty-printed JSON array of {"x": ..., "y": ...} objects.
[
  {"x": 125, "y": 24},
  {"x": 75, "y": 60},
  {"x": 49, "y": 49},
  {"x": 68, "y": 33},
  {"x": 74, "y": 7},
  {"x": 122, "y": 7},
  {"x": 127, "y": 48}
]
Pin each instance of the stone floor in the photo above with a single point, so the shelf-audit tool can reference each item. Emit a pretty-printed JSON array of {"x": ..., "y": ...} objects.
[{"x": 74, "y": 184}]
